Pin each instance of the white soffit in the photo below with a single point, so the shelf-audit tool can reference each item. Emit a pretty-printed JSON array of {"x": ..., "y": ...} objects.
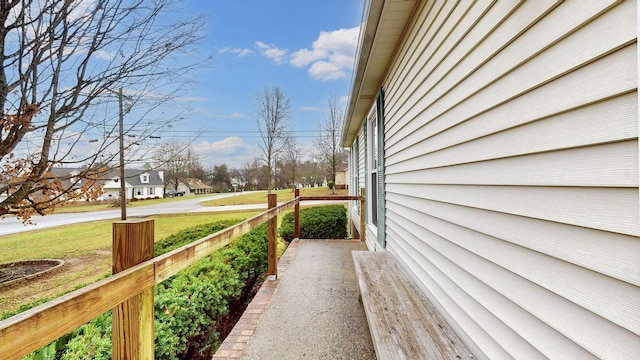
[{"x": 382, "y": 29}]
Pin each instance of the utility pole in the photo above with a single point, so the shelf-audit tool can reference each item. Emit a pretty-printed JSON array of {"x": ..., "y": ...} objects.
[{"x": 123, "y": 192}]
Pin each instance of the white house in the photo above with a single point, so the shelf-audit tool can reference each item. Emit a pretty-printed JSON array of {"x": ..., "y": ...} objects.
[
  {"x": 139, "y": 184},
  {"x": 498, "y": 145}
]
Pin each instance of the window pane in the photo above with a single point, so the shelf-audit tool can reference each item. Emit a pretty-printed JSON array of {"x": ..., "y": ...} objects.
[{"x": 374, "y": 198}]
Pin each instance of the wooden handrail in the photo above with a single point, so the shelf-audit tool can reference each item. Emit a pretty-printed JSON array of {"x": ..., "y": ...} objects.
[
  {"x": 28, "y": 331},
  {"x": 330, "y": 197}
]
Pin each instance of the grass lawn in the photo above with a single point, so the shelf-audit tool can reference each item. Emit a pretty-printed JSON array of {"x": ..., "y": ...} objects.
[
  {"x": 81, "y": 239},
  {"x": 86, "y": 249},
  {"x": 261, "y": 196}
]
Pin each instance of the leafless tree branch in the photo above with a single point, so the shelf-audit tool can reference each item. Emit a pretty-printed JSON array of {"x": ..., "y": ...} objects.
[{"x": 61, "y": 62}]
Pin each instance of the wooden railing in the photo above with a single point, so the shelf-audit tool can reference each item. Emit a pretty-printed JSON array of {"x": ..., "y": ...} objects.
[{"x": 129, "y": 292}]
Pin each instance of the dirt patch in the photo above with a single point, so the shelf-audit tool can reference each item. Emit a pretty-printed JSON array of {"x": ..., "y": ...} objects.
[
  {"x": 76, "y": 271},
  {"x": 13, "y": 273}
]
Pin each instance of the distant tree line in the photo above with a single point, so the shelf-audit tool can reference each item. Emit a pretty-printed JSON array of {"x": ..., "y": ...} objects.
[
  {"x": 280, "y": 165},
  {"x": 179, "y": 161}
]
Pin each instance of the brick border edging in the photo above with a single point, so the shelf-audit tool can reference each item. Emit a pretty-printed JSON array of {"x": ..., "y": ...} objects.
[
  {"x": 233, "y": 345},
  {"x": 57, "y": 264}
]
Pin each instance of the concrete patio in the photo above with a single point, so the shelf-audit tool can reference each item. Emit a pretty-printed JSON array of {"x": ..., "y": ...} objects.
[{"x": 310, "y": 312}]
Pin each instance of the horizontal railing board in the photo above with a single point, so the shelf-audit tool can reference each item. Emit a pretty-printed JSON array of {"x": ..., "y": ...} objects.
[
  {"x": 330, "y": 197},
  {"x": 173, "y": 262}
]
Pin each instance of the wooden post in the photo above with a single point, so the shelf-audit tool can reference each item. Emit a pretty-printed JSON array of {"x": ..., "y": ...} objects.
[
  {"x": 132, "y": 334},
  {"x": 363, "y": 210},
  {"x": 296, "y": 217},
  {"x": 272, "y": 267}
]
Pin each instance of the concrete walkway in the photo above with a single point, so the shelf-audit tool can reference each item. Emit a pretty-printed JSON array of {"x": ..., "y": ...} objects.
[{"x": 310, "y": 312}]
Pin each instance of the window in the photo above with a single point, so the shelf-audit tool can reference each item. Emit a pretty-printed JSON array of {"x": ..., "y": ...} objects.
[
  {"x": 374, "y": 137},
  {"x": 373, "y": 167},
  {"x": 144, "y": 178},
  {"x": 150, "y": 191}
]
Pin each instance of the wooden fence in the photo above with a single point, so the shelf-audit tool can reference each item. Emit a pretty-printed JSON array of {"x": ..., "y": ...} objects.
[{"x": 129, "y": 292}]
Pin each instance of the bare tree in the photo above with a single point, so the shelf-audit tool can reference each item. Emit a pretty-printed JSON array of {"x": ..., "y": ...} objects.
[
  {"x": 253, "y": 174},
  {"x": 330, "y": 152},
  {"x": 178, "y": 161},
  {"x": 310, "y": 173},
  {"x": 291, "y": 159},
  {"x": 62, "y": 61},
  {"x": 274, "y": 110}
]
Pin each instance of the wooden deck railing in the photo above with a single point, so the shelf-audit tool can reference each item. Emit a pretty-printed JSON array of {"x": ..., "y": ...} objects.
[{"x": 130, "y": 290}]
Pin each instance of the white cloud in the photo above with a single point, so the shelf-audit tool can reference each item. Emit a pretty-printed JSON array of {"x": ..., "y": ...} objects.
[
  {"x": 236, "y": 115},
  {"x": 324, "y": 70},
  {"x": 272, "y": 52},
  {"x": 331, "y": 55},
  {"x": 232, "y": 151},
  {"x": 229, "y": 145},
  {"x": 239, "y": 52},
  {"x": 309, "y": 108},
  {"x": 343, "y": 99},
  {"x": 191, "y": 99},
  {"x": 233, "y": 115},
  {"x": 105, "y": 55},
  {"x": 304, "y": 57}
]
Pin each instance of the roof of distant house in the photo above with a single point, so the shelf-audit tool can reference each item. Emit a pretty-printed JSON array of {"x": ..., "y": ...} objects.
[{"x": 195, "y": 183}]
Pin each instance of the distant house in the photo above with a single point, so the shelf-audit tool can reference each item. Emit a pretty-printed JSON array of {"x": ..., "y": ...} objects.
[
  {"x": 497, "y": 143},
  {"x": 193, "y": 186},
  {"x": 72, "y": 180},
  {"x": 237, "y": 183},
  {"x": 342, "y": 174},
  {"x": 139, "y": 184},
  {"x": 70, "y": 177}
]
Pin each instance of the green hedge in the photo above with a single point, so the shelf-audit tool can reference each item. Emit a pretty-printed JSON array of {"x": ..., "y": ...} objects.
[
  {"x": 320, "y": 222},
  {"x": 188, "y": 305}
]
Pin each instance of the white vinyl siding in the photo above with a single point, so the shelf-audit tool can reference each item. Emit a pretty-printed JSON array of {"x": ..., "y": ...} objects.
[{"x": 511, "y": 173}]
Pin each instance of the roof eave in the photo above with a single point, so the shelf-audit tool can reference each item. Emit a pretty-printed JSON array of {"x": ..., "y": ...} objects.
[{"x": 376, "y": 45}]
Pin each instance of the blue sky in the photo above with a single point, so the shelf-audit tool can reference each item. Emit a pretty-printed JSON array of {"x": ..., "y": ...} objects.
[{"x": 306, "y": 48}]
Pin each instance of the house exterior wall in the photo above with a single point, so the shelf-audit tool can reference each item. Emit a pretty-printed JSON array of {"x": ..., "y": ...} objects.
[
  {"x": 184, "y": 188},
  {"x": 147, "y": 192},
  {"x": 341, "y": 179},
  {"x": 139, "y": 185},
  {"x": 511, "y": 173}
]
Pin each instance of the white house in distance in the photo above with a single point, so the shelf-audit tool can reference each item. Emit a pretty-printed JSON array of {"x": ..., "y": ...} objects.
[
  {"x": 139, "y": 184},
  {"x": 192, "y": 186},
  {"x": 498, "y": 145}
]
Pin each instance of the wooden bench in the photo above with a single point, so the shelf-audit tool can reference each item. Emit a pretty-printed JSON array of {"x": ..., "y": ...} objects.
[{"x": 403, "y": 322}]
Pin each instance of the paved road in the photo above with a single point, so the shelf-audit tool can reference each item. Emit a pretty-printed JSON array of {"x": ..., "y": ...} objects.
[{"x": 11, "y": 225}]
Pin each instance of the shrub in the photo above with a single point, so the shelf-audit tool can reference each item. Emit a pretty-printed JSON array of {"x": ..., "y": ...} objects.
[
  {"x": 321, "y": 222},
  {"x": 188, "y": 305},
  {"x": 186, "y": 236}
]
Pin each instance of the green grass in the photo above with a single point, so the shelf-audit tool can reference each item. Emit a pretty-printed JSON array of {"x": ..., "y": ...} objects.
[
  {"x": 261, "y": 197},
  {"x": 80, "y": 239}
]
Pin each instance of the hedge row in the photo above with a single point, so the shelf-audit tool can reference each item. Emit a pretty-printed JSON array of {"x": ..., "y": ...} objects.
[
  {"x": 320, "y": 222},
  {"x": 188, "y": 305}
]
